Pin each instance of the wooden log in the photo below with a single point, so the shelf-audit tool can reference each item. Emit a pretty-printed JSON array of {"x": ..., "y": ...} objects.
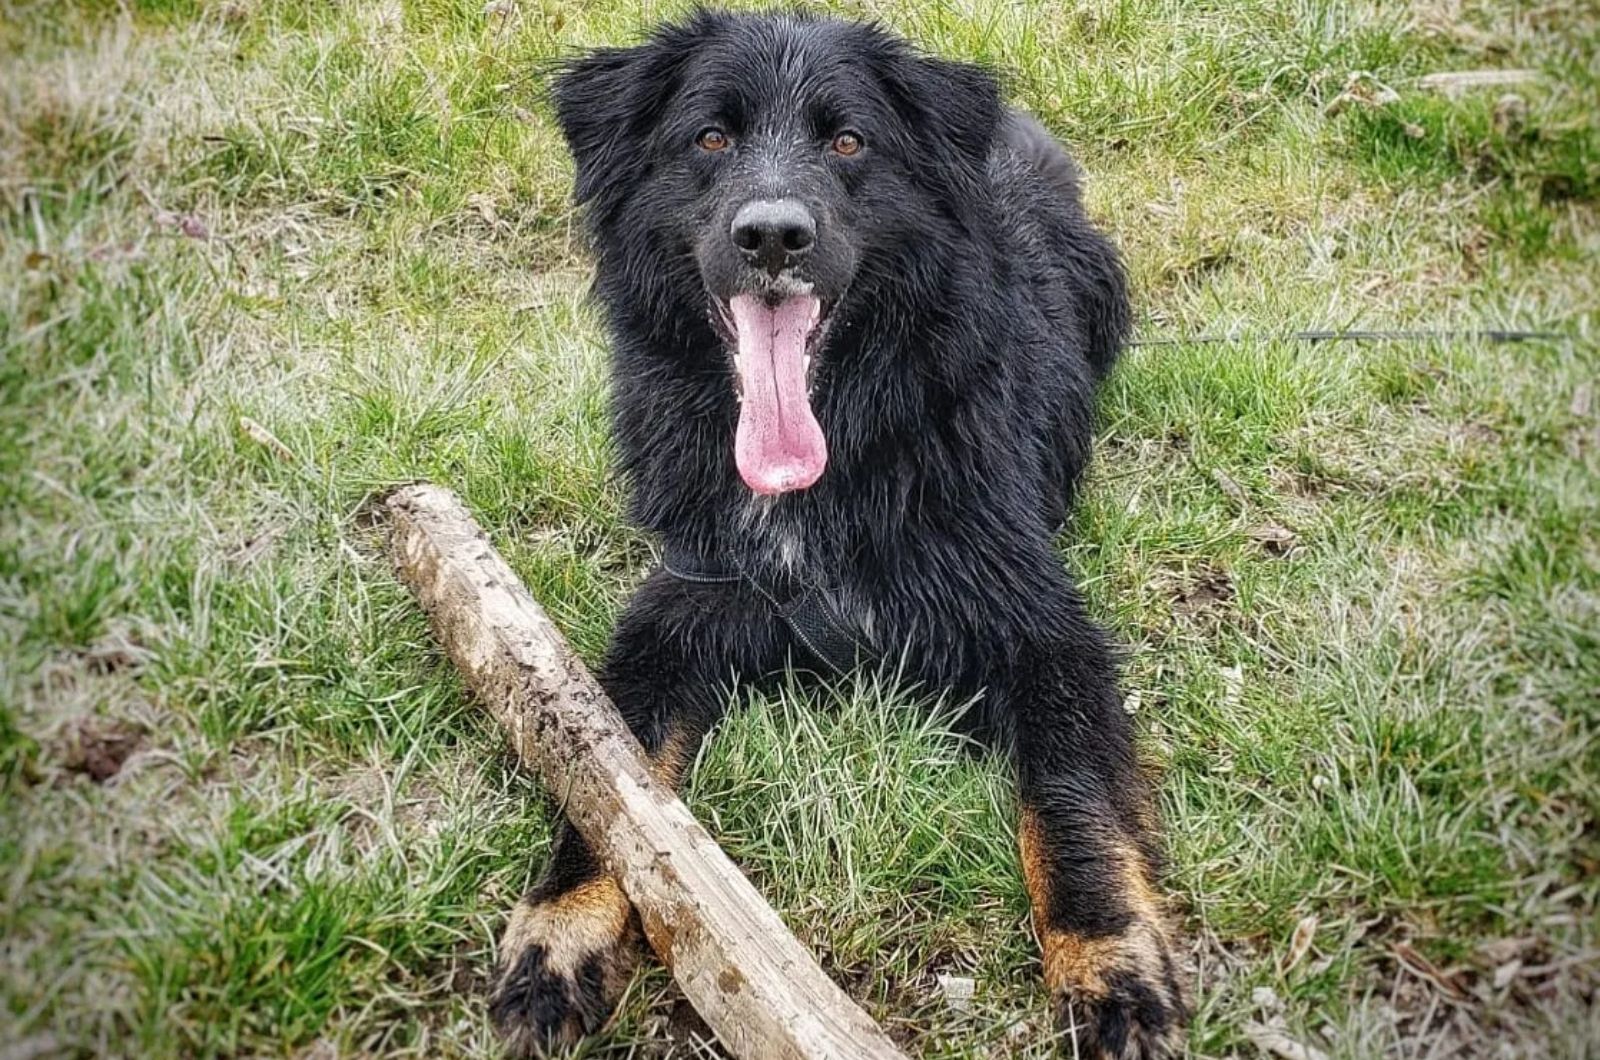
[{"x": 747, "y": 975}]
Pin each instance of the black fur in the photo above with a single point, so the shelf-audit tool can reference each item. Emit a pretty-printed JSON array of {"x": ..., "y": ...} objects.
[{"x": 973, "y": 309}]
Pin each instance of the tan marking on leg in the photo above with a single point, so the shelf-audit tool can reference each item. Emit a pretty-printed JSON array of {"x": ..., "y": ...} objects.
[
  {"x": 1073, "y": 961},
  {"x": 1138, "y": 881},
  {"x": 1035, "y": 867},
  {"x": 672, "y": 758},
  {"x": 1131, "y": 979},
  {"x": 1069, "y": 959}
]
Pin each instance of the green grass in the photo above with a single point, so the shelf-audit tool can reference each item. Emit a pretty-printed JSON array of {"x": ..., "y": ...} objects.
[{"x": 351, "y": 225}]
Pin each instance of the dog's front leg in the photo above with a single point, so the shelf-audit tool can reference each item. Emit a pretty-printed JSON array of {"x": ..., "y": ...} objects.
[
  {"x": 1089, "y": 854},
  {"x": 572, "y": 943}
]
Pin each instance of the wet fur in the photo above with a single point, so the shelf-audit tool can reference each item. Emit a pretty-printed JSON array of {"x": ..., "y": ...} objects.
[{"x": 956, "y": 390}]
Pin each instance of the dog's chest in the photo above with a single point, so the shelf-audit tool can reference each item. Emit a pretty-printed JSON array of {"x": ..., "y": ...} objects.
[
  {"x": 776, "y": 540},
  {"x": 790, "y": 547}
]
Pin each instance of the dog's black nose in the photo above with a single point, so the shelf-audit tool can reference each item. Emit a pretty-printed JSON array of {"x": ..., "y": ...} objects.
[{"x": 774, "y": 234}]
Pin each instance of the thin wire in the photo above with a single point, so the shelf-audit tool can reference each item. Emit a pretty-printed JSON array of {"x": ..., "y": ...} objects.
[{"x": 1487, "y": 335}]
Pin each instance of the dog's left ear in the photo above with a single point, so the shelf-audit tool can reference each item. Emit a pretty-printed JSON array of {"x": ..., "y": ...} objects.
[
  {"x": 965, "y": 103},
  {"x": 959, "y": 103}
]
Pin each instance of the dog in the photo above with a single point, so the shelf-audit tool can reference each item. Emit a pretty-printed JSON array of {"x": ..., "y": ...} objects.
[{"x": 858, "y": 321}]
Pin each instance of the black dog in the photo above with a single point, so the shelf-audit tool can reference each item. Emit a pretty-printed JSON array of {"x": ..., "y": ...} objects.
[{"x": 859, "y": 319}]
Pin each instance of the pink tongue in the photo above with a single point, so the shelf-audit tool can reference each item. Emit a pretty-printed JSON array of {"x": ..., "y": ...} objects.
[{"x": 779, "y": 444}]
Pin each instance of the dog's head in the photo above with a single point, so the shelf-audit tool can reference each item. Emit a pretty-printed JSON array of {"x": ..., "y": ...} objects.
[{"x": 767, "y": 168}]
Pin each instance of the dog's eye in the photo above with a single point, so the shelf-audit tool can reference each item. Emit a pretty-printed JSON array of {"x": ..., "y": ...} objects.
[
  {"x": 847, "y": 143},
  {"x": 712, "y": 139}
]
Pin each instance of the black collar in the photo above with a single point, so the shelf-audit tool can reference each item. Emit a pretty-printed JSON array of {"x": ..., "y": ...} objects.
[{"x": 689, "y": 566}]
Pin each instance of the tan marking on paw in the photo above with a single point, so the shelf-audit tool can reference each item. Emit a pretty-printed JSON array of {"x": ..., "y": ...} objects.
[
  {"x": 1089, "y": 979},
  {"x": 591, "y": 918},
  {"x": 1081, "y": 965}
]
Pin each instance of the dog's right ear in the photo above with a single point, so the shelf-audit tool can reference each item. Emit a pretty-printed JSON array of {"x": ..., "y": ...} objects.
[
  {"x": 609, "y": 101},
  {"x": 604, "y": 111}
]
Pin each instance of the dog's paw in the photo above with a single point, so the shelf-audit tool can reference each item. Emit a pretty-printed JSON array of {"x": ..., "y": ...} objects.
[
  {"x": 564, "y": 963},
  {"x": 1119, "y": 997}
]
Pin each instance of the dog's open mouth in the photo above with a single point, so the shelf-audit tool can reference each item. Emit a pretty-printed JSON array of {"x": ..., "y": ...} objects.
[{"x": 779, "y": 445}]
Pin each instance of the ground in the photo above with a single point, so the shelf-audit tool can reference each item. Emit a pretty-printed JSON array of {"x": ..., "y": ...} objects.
[{"x": 259, "y": 260}]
